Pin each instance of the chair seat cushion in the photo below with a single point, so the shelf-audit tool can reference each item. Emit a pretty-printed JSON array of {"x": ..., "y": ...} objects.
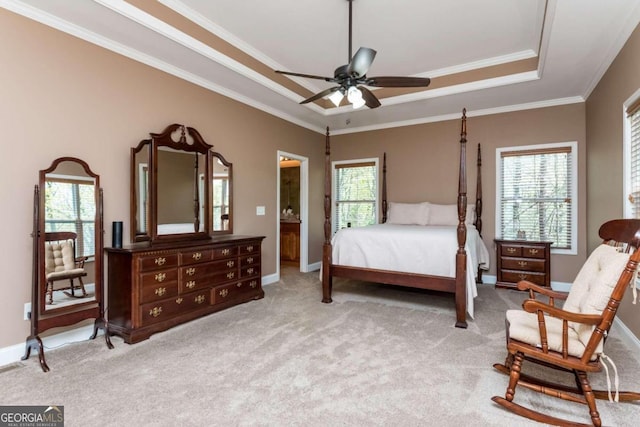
[
  {"x": 523, "y": 327},
  {"x": 66, "y": 274}
]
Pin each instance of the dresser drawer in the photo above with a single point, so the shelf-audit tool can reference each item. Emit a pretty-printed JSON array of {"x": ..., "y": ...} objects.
[
  {"x": 249, "y": 248},
  {"x": 516, "y": 276},
  {"x": 159, "y": 277},
  {"x": 250, "y": 260},
  {"x": 160, "y": 310},
  {"x": 525, "y": 264},
  {"x": 233, "y": 291},
  {"x": 157, "y": 261},
  {"x": 196, "y": 256},
  {"x": 156, "y": 292},
  {"x": 249, "y": 271},
  {"x": 225, "y": 252}
]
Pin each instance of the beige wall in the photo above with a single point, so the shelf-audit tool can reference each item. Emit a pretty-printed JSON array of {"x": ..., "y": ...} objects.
[
  {"x": 604, "y": 151},
  {"x": 60, "y": 96},
  {"x": 422, "y": 163}
]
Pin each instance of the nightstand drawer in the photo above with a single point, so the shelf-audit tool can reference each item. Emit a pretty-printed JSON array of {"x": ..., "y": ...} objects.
[
  {"x": 525, "y": 264},
  {"x": 516, "y": 276}
]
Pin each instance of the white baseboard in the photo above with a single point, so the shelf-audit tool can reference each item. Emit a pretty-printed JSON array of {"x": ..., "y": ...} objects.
[
  {"x": 14, "y": 353},
  {"x": 271, "y": 278}
]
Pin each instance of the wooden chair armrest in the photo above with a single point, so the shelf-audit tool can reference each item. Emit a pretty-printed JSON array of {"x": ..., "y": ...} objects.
[
  {"x": 525, "y": 285},
  {"x": 532, "y": 306},
  {"x": 81, "y": 260}
]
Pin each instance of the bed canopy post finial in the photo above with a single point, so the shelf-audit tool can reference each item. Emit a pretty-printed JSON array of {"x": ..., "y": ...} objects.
[
  {"x": 326, "y": 247},
  {"x": 384, "y": 188},
  {"x": 461, "y": 255}
]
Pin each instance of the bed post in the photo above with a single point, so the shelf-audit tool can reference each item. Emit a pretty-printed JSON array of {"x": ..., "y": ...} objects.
[
  {"x": 384, "y": 188},
  {"x": 478, "y": 221},
  {"x": 461, "y": 255},
  {"x": 326, "y": 247}
]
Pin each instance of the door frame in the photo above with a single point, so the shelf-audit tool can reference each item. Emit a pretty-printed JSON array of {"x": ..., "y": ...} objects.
[{"x": 304, "y": 210}]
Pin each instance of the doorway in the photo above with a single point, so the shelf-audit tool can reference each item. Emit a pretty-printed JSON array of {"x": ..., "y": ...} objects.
[{"x": 292, "y": 205}]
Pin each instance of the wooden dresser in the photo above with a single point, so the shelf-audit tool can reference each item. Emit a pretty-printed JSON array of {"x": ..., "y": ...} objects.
[
  {"x": 155, "y": 287},
  {"x": 523, "y": 260}
]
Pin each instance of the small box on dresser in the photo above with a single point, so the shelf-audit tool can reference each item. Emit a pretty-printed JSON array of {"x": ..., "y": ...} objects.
[
  {"x": 522, "y": 260},
  {"x": 155, "y": 287}
]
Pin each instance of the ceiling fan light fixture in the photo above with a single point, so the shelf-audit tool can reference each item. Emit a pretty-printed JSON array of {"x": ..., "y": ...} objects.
[
  {"x": 354, "y": 95},
  {"x": 336, "y": 98}
]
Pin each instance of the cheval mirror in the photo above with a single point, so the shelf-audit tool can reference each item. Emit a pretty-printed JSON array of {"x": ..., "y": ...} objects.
[
  {"x": 180, "y": 188},
  {"x": 67, "y": 284}
]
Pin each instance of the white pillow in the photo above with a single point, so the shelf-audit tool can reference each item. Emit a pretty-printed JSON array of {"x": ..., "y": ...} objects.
[
  {"x": 448, "y": 214},
  {"x": 408, "y": 213}
]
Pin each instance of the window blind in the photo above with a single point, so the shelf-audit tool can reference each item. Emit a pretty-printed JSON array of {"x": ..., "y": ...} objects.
[
  {"x": 70, "y": 206},
  {"x": 633, "y": 115},
  {"x": 536, "y": 193},
  {"x": 355, "y": 194}
]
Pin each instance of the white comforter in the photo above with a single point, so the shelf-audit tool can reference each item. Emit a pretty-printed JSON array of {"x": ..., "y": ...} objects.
[{"x": 412, "y": 249}]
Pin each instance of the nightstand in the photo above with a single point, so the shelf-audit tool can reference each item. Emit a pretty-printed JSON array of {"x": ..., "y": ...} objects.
[{"x": 522, "y": 260}]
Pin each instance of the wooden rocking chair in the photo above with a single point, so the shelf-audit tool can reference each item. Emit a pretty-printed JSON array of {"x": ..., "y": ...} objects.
[
  {"x": 571, "y": 338},
  {"x": 61, "y": 264}
]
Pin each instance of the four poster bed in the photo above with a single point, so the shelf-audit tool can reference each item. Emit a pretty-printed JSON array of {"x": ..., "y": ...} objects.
[{"x": 441, "y": 255}]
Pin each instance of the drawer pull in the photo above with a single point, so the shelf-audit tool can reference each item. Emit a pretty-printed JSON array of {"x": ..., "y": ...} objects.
[
  {"x": 230, "y": 264},
  {"x": 522, "y": 263},
  {"x": 250, "y": 260},
  {"x": 179, "y": 300},
  {"x": 191, "y": 284},
  {"x": 191, "y": 271},
  {"x": 534, "y": 251},
  {"x": 523, "y": 276},
  {"x": 155, "y": 311},
  {"x": 160, "y": 277},
  {"x": 224, "y": 293},
  {"x": 225, "y": 251},
  {"x": 199, "y": 299},
  {"x": 250, "y": 248},
  {"x": 250, "y": 270},
  {"x": 161, "y": 261},
  {"x": 161, "y": 291},
  {"x": 511, "y": 250},
  {"x": 253, "y": 283},
  {"x": 231, "y": 274},
  {"x": 196, "y": 256}
]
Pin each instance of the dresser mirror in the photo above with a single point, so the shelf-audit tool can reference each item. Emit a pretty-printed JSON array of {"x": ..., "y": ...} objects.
[
  {"x": 180, "y": 188},
  {"x": 67, "y": 250}
]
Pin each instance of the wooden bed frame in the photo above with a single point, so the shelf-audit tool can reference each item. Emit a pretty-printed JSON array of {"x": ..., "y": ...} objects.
[{"x": 456, "y": 285}]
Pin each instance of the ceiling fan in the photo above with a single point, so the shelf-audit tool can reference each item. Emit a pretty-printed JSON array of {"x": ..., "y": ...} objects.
[{"x": 351, "y": 78}]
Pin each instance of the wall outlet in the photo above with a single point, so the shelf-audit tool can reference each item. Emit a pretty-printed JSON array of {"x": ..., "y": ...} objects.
[
  {"x": 260, "y": 210},
  {"x": 27, "y": 311}
]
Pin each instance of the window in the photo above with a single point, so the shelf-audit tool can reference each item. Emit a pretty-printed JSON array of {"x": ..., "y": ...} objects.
[
  {"x": 632, "y": 157},
  {"x": 70, "y": 206},
  {"x": 355, "y": 193},
  {"x": 537, "y": 194}
]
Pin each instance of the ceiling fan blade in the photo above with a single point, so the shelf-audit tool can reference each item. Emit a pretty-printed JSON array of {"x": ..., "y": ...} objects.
[
  {"x": 397, "y": 81},
  {"x": 361, "y": 62},
  {"x": 369, "y": 98},
  {"x": 308, "y": 76},
  {"x": 321, "y": 94}
]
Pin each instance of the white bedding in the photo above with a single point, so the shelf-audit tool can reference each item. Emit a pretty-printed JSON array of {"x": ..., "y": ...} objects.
[
  {"x": 412, "y": 249},
  {"x": 177, "y": 228}
]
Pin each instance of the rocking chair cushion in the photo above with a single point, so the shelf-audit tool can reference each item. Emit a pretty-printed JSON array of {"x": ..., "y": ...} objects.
[
  {"x": 59, "y": 256},
  {"x": 590, "y": 293},
  {"x": 524, "y": 327}
]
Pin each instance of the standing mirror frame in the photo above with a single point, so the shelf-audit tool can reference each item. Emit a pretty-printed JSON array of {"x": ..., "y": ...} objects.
[
  {"x": 173, "y": 178},
  {"x": 67, "y": 285}
]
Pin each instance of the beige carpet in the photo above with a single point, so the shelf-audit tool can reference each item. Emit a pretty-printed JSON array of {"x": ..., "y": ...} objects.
[{"x": 376, "y": 356}]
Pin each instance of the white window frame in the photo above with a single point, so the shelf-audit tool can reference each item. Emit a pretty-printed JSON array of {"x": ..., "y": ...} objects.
[
  {"x": 376, "y": 161},
  {"x": 626, "y": 162},
  {"x": 574, "y": 189}
]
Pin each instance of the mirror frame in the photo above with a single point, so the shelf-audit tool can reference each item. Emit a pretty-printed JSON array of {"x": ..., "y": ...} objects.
[
  {"x": 42, "y": 319},
  {"x": 158, "y": 140},
  {"x": 229, "y": 166}
]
